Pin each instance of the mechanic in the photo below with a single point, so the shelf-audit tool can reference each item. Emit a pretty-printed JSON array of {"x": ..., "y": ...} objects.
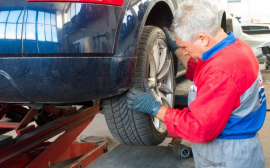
[{"x": 227, "y": 104}]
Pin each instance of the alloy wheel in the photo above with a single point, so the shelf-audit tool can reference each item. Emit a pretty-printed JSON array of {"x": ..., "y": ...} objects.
[{"x": 160, "y": 78}]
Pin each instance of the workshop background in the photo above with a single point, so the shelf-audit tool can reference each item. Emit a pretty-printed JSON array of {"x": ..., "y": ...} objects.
[{"x": 254, "y": 17}]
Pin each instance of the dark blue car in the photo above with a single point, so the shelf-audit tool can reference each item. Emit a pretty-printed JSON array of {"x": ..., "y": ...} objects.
[{"x": 68, "y": 52}]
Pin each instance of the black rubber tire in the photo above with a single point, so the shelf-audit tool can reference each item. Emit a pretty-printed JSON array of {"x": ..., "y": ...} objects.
[{"x": 132, "y": 127}]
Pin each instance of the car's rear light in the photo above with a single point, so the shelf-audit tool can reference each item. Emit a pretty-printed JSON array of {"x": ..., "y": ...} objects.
[{"x": 108, "y": 2}]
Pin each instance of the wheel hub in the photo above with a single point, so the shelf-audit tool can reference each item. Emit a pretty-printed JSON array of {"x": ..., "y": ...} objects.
[{"x": 160, "y": 78}]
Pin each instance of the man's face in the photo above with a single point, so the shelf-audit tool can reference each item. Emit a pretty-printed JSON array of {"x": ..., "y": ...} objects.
[{"x": 193, "y": 49}]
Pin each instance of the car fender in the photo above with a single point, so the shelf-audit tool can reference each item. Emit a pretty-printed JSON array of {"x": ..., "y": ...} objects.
[{"x": 132, "y": 24}]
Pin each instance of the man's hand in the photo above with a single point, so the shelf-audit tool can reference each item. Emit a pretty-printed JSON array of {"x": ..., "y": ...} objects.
[
  {"x": 143, "y": 101},
  {"x": 172, "y": 44}
]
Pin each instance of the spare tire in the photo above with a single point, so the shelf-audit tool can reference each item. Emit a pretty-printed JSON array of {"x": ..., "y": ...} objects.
[{"x": 155, "y": 64}]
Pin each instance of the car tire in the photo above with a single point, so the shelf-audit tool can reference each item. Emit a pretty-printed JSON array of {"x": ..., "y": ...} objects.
[{"x": 137, "y": 128}]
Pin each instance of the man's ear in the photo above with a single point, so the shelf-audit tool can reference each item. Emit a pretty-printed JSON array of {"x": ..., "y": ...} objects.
[{"x": 204, "y": 39}]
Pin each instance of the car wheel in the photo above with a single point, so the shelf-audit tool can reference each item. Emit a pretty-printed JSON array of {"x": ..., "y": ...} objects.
[{"x": 154, "y": 63}]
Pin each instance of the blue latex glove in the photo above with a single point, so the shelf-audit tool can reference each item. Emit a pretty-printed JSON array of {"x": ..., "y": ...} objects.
[
  {"x": 143, "y": 101},
  {"x": 172, "y": 44}
]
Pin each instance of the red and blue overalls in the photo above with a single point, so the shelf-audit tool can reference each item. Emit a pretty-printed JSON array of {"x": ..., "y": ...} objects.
[{"x": 227, "y": 107}]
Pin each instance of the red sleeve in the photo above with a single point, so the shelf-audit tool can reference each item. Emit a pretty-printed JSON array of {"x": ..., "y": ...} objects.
[
  {"x": 209, "y": 113},
  {"x": 191, "y": 67}
]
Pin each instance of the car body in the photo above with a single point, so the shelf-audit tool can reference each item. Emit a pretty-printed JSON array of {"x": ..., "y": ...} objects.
[
  {"x": 58, "y": 52},
  {"x": 63, "y": 52},
  {"x": 256, "y": 42},
  {"x": 256, "y": 30},
  {"x": 262, "y": 32}
]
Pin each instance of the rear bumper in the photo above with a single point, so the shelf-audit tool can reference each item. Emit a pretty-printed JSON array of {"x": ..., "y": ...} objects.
[{"x": 63, "y": 80}]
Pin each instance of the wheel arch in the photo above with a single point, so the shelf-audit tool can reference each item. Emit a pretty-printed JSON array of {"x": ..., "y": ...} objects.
[
  {"x": 147, "y": 14},
  {"x": 154, "y": 17},
  {"x": 160, "y": 15}
]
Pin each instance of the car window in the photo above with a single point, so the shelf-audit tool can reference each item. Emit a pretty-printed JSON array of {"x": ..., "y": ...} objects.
[{"x": 251, "y": 28}]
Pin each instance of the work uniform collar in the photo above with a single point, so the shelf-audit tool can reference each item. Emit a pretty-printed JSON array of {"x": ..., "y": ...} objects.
[{"x": 222, "y": 44}]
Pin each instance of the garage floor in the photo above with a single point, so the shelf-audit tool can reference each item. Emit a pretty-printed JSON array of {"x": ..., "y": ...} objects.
[{"x": 126, "y": 156}]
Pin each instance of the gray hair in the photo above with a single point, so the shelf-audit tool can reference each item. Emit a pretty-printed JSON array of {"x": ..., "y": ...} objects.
[{"x": 191, "y": 19}]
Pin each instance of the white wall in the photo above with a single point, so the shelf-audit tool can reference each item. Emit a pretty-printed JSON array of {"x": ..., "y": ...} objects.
[{"x": 251, "y": 9}]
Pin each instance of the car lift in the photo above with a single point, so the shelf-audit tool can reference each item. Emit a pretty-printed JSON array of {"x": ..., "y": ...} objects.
[{"x": 31, "y": 147}]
